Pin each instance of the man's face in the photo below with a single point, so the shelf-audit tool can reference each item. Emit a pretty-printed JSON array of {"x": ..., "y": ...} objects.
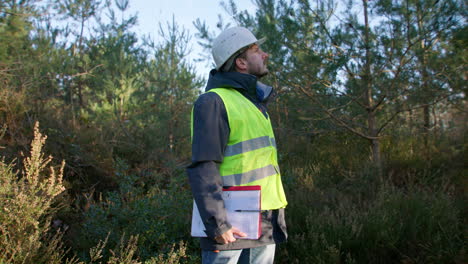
[{"x": 256, "y": 61}]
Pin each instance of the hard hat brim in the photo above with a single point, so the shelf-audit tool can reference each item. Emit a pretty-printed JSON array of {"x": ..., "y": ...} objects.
[{"x": 260, "y": 41}]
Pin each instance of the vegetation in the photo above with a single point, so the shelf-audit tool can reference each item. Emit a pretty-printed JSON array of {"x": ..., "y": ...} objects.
[
  {"x": 27, "y": 207},
  {"x": 370, "y": 121}
]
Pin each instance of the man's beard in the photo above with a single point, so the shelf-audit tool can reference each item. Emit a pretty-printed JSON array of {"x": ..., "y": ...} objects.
[
  {"x": 260, "y": 73},
  {"x": 263, "y": 74}
]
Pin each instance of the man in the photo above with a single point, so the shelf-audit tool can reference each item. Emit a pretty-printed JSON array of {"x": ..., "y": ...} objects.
[{"x": 233, "y": 145}]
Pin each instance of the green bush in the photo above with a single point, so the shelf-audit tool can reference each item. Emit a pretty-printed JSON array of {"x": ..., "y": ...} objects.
[
  {"x": 364, "y": 219},
  {"x": 159, "y": 215}
]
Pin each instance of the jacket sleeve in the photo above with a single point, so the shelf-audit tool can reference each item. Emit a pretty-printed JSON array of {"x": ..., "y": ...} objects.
[{"x": 210, "y": 137}]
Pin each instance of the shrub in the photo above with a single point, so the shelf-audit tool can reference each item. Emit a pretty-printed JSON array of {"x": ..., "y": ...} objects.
[
  {"x": 364, "y": 220},
  {"x": 159, "y": 215},
  {"x": 125, "y": 253},
  {"x": 26, "y": 208}
]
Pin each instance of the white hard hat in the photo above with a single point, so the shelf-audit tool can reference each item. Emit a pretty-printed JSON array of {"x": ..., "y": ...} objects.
[{"x": 230, "y": 41}]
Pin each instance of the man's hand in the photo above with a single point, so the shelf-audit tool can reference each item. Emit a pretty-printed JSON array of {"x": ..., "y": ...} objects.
[{"x": 228, "y": 236}]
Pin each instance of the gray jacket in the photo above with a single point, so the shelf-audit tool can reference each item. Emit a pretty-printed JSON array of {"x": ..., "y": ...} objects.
[{"x": 210, "y": 136}]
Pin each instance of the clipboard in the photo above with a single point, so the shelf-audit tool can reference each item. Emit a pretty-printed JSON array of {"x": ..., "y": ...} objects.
[{"x": 243, "y": 210}]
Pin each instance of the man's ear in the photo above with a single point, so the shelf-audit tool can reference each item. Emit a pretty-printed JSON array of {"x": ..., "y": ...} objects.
[{"x": 241, "y": 64}]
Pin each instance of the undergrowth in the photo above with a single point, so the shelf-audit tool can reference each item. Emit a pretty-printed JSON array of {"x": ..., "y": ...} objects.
[{"x": 412, "y": 213}]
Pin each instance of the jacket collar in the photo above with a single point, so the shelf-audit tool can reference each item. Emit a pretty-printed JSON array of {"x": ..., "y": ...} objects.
[{"x": 245, "y": 83}]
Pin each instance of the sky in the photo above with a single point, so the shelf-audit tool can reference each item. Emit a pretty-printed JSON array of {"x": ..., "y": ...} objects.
[{"x": 152, "y": 12}]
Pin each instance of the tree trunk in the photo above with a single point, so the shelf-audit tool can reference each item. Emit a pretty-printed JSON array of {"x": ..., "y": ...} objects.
[
  {"x": 425, "y": 81},
  {"x": 371, "y": 119}
]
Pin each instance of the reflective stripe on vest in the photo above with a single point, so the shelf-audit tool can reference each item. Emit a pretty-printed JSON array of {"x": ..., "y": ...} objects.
[
  {"x": 249, "y": 145},
  {"x": 248, "y": 176}
]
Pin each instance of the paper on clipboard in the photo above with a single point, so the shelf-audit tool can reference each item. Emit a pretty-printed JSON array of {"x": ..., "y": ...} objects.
[{"x": 236, "y": 198}]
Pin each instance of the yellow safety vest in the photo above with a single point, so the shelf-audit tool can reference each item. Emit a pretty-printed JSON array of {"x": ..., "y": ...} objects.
[{"x": 250, "y": 157}]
